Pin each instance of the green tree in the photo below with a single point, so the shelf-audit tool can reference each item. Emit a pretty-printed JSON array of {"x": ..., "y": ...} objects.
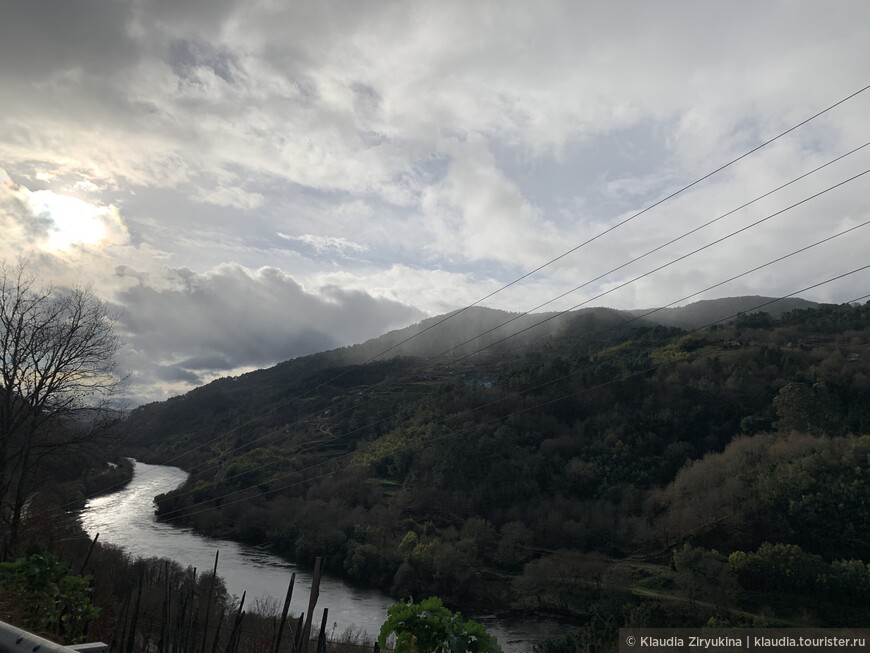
[
  {"x": 513, "y": 546},
  {"x": 429, "y": 627},
  {"x": 778, "y": 567},
  {"x": 705, "y": 576},
  {"x": 808, "y": 409},
  {"x": 49, "y": 596}
]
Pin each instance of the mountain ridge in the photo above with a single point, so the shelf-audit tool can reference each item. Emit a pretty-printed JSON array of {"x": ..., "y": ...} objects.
[
  {"x": 503, "y": 331},
  {"x": 488, "y": 481},
  {"x": 497, "y": 333}
]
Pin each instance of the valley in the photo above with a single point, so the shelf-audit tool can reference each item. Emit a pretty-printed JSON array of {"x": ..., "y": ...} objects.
[{"x": 527, "y": 479}]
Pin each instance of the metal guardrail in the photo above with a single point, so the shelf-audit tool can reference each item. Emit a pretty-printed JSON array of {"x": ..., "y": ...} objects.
[
  {"x": 90, "y": 647},
  {"x": 16, "y": 640}
]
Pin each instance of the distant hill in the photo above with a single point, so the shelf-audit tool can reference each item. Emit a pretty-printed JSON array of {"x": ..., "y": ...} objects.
[
  {"x": 497, "y": 480},
  {"x": 461, "y": 333},
  {"x": 229, "y": 401},
  {"x": 464, "y": 332},
  {"x": 439, "y": 341},
  {"x": 457, "y": 331},
  {"x": 707, "y": 311}
]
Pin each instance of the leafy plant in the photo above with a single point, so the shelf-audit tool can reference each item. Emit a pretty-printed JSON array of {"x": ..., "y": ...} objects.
[
  {"x": 429, "y": 627},
  {"x": 51, "y": 598}
]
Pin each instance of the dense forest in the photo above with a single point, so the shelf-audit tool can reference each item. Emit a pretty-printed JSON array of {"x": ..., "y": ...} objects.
[{"x": 619, "y": 474}]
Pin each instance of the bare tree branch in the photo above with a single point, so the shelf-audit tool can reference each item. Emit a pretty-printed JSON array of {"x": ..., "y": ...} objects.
[{"x": 57, "y": 378}]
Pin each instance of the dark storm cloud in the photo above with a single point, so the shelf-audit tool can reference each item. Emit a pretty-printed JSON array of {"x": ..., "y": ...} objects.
[
  {"x": 202, "y": 16},
  {"x": 427, "y": 151},
  {"x": 206, "y": 362},
  {"x": 42, "y": 37},
  {"x": 232, "y": 318},
  {"x": 185, "y": 56},
  {"x": 176, "y": 374},
  {"x": 127, "y": 271}
]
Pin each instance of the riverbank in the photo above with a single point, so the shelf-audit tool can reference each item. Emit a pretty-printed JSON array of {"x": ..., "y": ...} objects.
[
  {"x": 116, "y": 477},
  {"x": 126, "y": 519}
]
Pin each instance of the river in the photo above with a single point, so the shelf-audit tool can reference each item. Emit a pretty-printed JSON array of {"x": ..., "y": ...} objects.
[{"x": 126, "y": 518}]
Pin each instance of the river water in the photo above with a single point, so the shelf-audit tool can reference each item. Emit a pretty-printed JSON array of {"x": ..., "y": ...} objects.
[{"x": 126, "y": 518}]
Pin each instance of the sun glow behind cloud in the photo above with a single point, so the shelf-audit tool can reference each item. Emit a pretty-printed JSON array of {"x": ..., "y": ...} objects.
[
  {"x": 55, "y": 223},
  {"x": 73, "y": 221},
  {"x": 424, "y": 152}
]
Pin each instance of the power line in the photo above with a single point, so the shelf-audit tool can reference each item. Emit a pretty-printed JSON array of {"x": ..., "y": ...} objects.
[
  {"x": 518, "y": 412},
  {"x": 665, "y": 265},
  {"x": 528, "y": 274},
  {"x": 559, "y": 314},
  {"x": 599, "y": 331},
  {"x": 516, "y": 317},
  {"x": 660, "y": 247},
  {"x": 181, "y": 511},
  {"x": 565, "y": 377}
]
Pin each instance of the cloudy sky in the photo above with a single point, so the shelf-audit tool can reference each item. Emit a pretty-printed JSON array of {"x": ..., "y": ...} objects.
[{"x": 250, "y": 181}]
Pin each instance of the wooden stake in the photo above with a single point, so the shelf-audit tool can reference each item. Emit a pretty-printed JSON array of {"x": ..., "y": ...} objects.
[
  {"x": 190, "y": 643},
  {"x": 284, "y": 613},
  {"x": 217, "y": 633},
  {"x": 234, "y": 645},
  {"x": 164, "y": 644},
  {"x": 88, "y": 556},
  {"x": 321, "y": 640},
  {"x": 208, "y": 601},
  {"x": 132, "y": 637},
  {"x": 312, "y": 601},
  {"x": 297, "y": 636},
  {"x": 234, "y": 635}
]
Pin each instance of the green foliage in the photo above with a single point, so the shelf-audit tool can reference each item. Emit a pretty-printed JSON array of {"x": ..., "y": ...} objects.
[
  {"x": 429, "y": 627},
  {"x": 106, "y": 480},
  {"x": 513, "y": 544},
  {"x": 791, "y": 583},
  {"x": 668, "y": 354},
  {"x": 810, "y": 491},
  {"x": 808, "y": 410},
  {"x": 705, "y": 575},
  {"x": 560, "y": 582},
  {"x": 759, "y": 320},
  {"x": 788, "y": 568},
  {"x": 431, "y": 564},
  {"x": 782, "y": 567},
  {"x": 370, "y": 564},
  {"x": 51, "y": 598},
  {"x": 446, "y": 495}
]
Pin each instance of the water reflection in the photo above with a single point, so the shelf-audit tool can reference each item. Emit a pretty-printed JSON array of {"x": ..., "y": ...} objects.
[{"x": 126, "y": 518}]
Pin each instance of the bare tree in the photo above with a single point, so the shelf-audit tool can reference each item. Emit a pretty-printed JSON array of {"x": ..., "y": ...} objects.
[{"x": 57, "y": 361}]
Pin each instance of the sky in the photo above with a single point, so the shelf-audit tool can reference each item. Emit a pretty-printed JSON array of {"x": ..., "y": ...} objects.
[{"x": 244, "y": 182}]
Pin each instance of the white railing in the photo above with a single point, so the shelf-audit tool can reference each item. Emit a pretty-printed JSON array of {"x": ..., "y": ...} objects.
[{"x": 16, "y": 640}]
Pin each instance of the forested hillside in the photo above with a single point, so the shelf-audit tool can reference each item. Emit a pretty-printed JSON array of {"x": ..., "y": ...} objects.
[{"x": 620, "y": 473}]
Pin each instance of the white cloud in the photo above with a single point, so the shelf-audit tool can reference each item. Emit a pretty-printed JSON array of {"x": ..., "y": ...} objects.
[
  {"x": 230, "y": 196},
  {"x": 53, "y": 222},
  {"x": 424, "y": 152},
  {"x": 325, "y": 244},
  {"x": 475, "y": 211},
  {"x": 230, "y": 318}
]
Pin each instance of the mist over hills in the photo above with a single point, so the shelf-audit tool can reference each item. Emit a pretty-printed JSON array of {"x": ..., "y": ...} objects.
[
  {"x": 483, "y": 478},
  {"x": 475, "y": 346},
  {"x": 467, "y": 347},
  {"x": 467, "y": 331},
  {"x": 707, "y": 311},
  {"x": 491, "y": 332}
]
